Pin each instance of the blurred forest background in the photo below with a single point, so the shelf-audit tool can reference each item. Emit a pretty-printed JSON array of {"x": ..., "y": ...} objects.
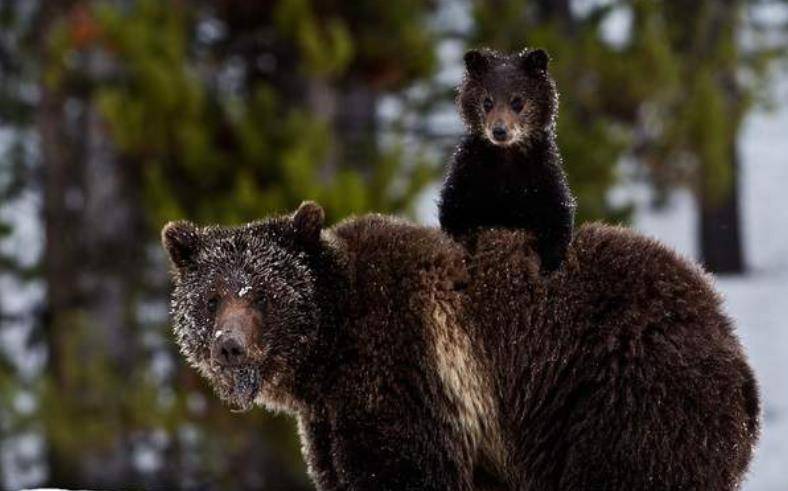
[{"x": 116, "y": 116}]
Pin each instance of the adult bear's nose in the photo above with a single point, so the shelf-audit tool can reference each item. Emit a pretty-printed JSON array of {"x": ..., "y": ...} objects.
[{"x": 228, "y": 350}]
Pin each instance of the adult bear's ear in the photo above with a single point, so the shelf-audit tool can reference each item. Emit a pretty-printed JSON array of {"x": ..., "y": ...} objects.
[
  {"x": 181, "y": 240},
  {"x": 535, "y": 59},
  {"x": 476, "y": 62},
  {"x": 308, "y": 221}
]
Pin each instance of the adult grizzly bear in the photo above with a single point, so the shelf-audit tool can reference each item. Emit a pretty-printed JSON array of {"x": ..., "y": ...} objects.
[{"x": 412, "y": 363}]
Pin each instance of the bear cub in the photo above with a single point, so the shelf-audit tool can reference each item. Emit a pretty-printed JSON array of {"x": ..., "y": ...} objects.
[{"x": 507, "y": 171}]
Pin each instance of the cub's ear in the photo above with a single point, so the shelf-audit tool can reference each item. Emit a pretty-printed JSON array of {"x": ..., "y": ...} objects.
[
  {"x": 308, "y": 221},
  {"x": 535, "y": 59},
  {"x": 181, "y": 240},
  {"x": 476, "y": 62}
]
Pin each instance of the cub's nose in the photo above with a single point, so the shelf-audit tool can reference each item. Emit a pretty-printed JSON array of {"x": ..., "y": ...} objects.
[
  {"x": 499, "y": 133},
  {"x": 228, "y": 351}
]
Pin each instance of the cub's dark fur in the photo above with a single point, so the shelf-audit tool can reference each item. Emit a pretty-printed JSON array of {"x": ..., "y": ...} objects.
[
  {"x": 507, "y": 170},
  {"x": 410, "y": 364}
]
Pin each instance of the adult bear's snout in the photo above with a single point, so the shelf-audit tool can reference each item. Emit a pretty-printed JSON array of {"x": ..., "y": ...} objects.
[
  {"x": 229, "y": 351},
  {"x": 234, "y": 336}
]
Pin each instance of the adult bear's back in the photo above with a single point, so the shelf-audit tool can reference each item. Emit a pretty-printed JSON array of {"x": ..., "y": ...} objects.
[{"x": 619, "y": 372}]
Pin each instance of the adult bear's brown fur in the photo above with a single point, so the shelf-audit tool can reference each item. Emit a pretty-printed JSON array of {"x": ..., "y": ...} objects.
[
  {"x": 622, "y": 371},
  {"x": 412, "y": 363}
]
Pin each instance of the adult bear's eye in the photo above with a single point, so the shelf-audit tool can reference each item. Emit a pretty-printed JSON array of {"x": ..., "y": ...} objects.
[
  {"x": 213, "y": 304},
  {"x": 261, "y": 303},
  {"x": 517, "y": 104},
  {"x": 487, "y": 104}
]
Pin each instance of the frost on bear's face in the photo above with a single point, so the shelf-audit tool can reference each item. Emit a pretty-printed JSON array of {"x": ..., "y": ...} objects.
[
  {"x": 243, "y": 306},
  {"x": 507, "y": 98}
]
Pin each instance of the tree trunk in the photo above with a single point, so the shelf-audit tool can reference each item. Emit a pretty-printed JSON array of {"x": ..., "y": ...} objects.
[
  {"x": 322, "y": 100},
  {"x": 719, "y": 224},
  {"x": 556, "y": 10},
  {"x": 356, "y": 125},
  {"x": 113, "y": 238},
  {"x": 58, "y": 251},
  {"x": 92, "y": 261},
  {"x": 93, "y": 257},
  {"x": 720, "y": 219},
  {"x": 351, "y": 110}
]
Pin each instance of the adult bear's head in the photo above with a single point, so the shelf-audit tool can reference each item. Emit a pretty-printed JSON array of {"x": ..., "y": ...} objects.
[{"x": 245, "y": 308}]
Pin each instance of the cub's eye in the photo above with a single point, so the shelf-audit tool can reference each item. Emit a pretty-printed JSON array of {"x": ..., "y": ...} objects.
[
  {"x": 517, "y": 104},
  {"x": 213, "y": 304},
  {"x": 487, "y": 104},
  {"x": 262, "y": 301}
]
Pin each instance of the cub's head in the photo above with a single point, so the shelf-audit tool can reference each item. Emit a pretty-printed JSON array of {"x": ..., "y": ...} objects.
[
  {"x": 507, "y": 98},
  {"x": 244, "y": 306}
]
